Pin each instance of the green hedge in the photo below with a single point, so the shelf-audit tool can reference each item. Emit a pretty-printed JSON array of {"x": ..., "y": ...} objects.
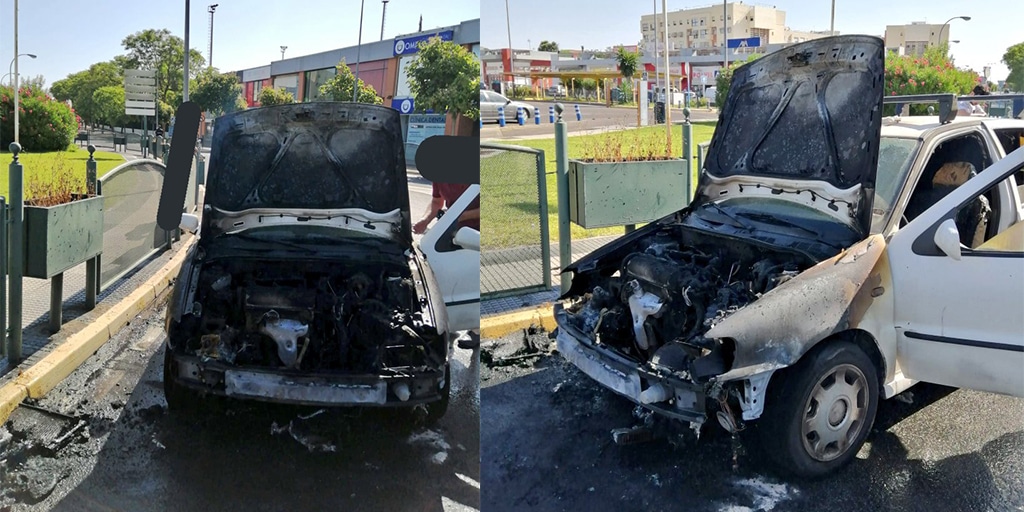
[{"x": 45, "y": 124}]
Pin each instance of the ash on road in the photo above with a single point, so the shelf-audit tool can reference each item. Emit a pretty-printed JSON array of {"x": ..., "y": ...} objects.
[
  {"x": 546, "y": 445},
  {"x": 103, "y": 440}
]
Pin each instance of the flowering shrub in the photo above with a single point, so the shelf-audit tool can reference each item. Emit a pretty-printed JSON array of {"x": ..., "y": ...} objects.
[
  {"x": 931, "y": 73},
  {"x": 45, "y": 124}
]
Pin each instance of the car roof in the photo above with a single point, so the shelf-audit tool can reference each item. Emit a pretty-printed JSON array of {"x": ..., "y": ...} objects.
[{"x": 922, "y": 127}]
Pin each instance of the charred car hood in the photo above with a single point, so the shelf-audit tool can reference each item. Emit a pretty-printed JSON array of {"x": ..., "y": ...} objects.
[
  {"x": 313, "y": 159},
  {"x": 803, "y": 124}
]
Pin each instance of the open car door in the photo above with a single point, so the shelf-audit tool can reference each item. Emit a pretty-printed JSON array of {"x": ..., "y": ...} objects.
[
  {"x": 958, "y": 305},
  {"x": 453, "y": 254}
]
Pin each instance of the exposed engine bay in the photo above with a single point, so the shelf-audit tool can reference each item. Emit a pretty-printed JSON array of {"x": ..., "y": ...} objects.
[
  {"x": 670, "y": 289},
  {"x": 313, "y": 316}
]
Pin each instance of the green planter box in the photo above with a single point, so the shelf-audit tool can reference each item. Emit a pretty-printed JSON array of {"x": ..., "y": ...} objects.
[
  {"x": 625, "y": 193},
  {"x": 62, "y": 236}
]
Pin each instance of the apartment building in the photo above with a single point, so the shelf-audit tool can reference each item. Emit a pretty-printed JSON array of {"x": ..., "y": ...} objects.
[
  {"x": 703, "y": 28},
  {"x": 914, "y": 38}
]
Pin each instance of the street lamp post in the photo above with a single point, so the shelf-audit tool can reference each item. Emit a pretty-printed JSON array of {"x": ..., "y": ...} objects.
[
  {"x": 965, "y": 18},
  {"x": 14, "y": 87},
  {"x": 283, "y": 48},
  {"x": 359, "y": 49}
]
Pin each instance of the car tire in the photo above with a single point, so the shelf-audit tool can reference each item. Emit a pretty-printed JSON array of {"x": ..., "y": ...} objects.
[
  {"x": 819, "y": 413},
  {"x": 436, "y": 410}
]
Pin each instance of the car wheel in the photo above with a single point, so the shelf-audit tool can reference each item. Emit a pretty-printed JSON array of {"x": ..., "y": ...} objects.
[
  {"x": 818, "y": 415},
  {"x": 436, "y": 410}
]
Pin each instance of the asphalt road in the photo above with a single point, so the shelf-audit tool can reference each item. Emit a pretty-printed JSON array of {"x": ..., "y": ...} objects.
[
  {"x": 546, "y": 445},
  {"x": 109, "y": 443},
  {"x": 594, "y": 117}
]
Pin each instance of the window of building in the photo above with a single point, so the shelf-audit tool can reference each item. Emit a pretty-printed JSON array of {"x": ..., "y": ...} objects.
[
  {"x": 289, "y": 83},
  {"x": 314, "y": 79}
]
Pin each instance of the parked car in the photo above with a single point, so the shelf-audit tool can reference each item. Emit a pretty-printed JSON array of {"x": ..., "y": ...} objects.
[
  {"x": 304, "y": 286},
  {"x": 711, "y": 93},
  {"x": 826, "y": 262},
  {"x": 490, "y": 101}
]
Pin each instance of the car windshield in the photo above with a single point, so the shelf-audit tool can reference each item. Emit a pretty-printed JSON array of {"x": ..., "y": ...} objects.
[{"x": 894, "y": 158}]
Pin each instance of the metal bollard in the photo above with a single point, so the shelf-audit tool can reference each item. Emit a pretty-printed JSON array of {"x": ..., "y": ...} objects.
[
  {"x": 90, "y": 172},
  {"x": 551, "y": 114},
  {"x": 520, "y": 116},
  {"x": 501, "y": 117},
  {"x": 536, "y": 116},
  {"x": 688, "y": 150},
  {"x": 579, "y": 116},
  {"x": 17, "y": 252}
]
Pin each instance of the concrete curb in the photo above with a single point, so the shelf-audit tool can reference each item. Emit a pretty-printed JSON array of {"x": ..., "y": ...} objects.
[
  {"x": 44, "y": 375},
  {"x": 497, "y": 326}
]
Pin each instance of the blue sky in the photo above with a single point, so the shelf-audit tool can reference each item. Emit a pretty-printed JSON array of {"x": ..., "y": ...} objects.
[
  {"x": 68, "y": 36},
  {"x": 597, "y": 24}
]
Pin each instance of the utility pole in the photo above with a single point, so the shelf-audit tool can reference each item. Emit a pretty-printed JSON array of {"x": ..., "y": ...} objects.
[
  {"x": 383, "y": 13},
  {"x": 511, "y": 52},
  {"x": 359, "y": 52},
  {"x": 209, "y": 54},
  {"x": 184, "y": 91},
  {"x": 668, "y": 82},
  {"x": 832, "y": 26},
  {"x": 725, "y": 33},
  {"x": 283, "y": 48},
  {"x": 657, "y": 65}
]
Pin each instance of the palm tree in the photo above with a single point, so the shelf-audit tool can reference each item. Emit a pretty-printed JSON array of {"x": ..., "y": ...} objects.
[{"x": 628, "y": 62}]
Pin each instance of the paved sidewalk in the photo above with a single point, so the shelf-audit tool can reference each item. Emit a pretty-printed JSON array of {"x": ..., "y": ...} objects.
[{"x": 520, "y": 267}]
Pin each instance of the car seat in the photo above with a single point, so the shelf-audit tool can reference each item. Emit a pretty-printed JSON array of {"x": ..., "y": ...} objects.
[{"x": 972, "y": 220}]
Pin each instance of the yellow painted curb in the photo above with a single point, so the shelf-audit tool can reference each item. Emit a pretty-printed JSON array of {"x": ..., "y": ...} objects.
[
  {"x": 499, "y": 325},
  {"x": 43, "y": 376}
]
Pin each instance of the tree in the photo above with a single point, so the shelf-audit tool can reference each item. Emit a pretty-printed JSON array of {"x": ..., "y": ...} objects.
[
  {"x": 547, "y": 46},
  {"x": 35, "y": 83},
  {"x": 628, "y": 62},
  {"x": 724, "y": 79},
  {"x": 215, "y": 92},
  {"x": 270, "y": 97},
  {"x": 80, "y": 87},
  {"x": 108, "y": 105},
  {"x": 445, "y": 77},
  {"x": 339, "y": 87},
  {"x": 931, "y": 73},
  {"x": 165, "y": 53},
  {"x": 1014, "y": 59}
]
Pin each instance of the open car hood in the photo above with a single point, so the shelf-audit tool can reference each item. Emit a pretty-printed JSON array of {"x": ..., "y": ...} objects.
[
  {"x": 310, "y": 157},
  {"x": 803, "y": 122}
]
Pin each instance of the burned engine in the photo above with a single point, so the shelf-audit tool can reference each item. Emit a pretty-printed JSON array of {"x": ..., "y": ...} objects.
[
  {"x": 669, "y": 292},
  {"x": 310, "y": 316}
]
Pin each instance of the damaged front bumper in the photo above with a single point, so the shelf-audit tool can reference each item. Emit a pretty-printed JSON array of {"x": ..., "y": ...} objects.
[
  {"x": 213, "y": 377},
  {"x": 655, "y": 390}
]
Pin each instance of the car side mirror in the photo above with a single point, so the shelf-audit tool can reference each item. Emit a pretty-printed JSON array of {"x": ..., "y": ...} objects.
[
  {"x": 947, "y": 239},
  {"x": 467, "y": 238},
  {"x": 189, "y": 222}
]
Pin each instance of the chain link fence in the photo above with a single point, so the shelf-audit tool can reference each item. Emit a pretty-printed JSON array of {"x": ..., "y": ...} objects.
[{"x": 515, "y": 247}]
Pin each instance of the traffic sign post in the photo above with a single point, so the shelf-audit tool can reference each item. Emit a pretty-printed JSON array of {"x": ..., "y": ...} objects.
[{"x": 140, "y": 99}]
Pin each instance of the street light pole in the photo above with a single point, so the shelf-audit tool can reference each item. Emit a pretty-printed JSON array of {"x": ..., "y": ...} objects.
[
  {"x": 16, "y": 80},
  {"x": 184, "y": 91},
  {"x": 511, "y": 52},
  {"x": 359, "y": 50},
  {"x": 832, "y": 27},
  {"x": 944, "y": 25},
  {"x": 283, "y": 48},
  {"x": 383, "y": 13},
  {"x": 725, "y": 34},
  {"x": 14, "y": 87},
  {"x": 211, "y": 9},
  {"x": 668, "y": 82},
  {"x": 657, "y": 64}
]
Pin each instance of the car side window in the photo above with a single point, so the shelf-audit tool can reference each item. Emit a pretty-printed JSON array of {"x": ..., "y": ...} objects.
[
  {"x": 951, "y": 164},
  {"x": 977, "y": 222}
]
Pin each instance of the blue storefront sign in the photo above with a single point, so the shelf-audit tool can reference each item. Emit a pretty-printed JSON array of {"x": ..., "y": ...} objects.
[
  {"x": 745, "y": 42},
  {"x": 404, "y": 105},
  {"x": 411, "y": 45}
]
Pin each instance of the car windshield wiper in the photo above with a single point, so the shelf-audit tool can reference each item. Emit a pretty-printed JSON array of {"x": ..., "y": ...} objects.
[
  {"x": 247, "y": 236},
  {"x": 778, "y": 221},
  {"x": 736, "y": 221}
]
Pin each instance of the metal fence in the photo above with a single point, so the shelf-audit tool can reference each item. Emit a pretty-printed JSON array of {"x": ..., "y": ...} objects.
[
  {"x": 131, "y": 195},
  {"x": 515, "y": 246}
]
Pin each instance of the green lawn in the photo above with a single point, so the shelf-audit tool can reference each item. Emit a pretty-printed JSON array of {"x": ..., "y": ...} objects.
[
  {"x": 39, "y": 166},
  {"x": 508, "y": 207}
]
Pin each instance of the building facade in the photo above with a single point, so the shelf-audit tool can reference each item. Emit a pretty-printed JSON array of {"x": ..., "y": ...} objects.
[
  {"x": 914, "y": 38},
  {"x": 382, "y": 65}
]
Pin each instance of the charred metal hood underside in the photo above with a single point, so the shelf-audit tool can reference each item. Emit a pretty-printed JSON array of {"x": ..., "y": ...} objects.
[
  {"x": 804, "y": 114},
  {"x": 310, "y": 156}
]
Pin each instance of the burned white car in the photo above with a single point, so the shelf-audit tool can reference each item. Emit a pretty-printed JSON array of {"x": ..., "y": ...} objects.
[
  {"x": 304, "y": 286},
  {"x": 772, "y": 297}
]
